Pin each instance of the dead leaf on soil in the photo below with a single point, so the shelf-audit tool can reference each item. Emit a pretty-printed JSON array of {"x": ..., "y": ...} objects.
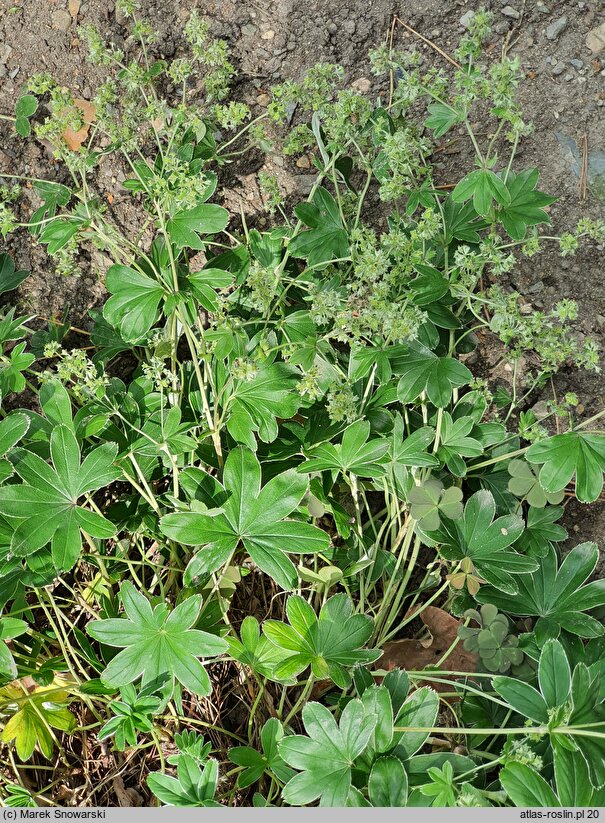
[
  {"x": 416, "y": 655},
  {"x": 87, "y": 111}
]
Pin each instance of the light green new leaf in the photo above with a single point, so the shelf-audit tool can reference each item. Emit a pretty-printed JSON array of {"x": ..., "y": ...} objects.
[
  {"x": 157, "y": 643},
  {"x": 133, "y": 307},
  {"x": 324, "y": 758},
  {"x": 44, "y": 508},
  {"x": 252, "y": 517},
  {"x": 563, "y": 455},
  {"x": 35, "y": 714},
  {"x": 331, "y": 644},
  {"x": 186, "y": 226},
  {"x": 424, "y": 371}
]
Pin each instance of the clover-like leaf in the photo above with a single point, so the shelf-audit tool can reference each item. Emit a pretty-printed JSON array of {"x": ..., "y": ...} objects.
[
  {"x": 157, "y": 643},
  {"x": 563, "y": 455},
  {"x": 252, "y": 517},
  {"x": 524, "y": 483},
  {"x": 430, "y": 499},
  {"x": 331, "y": 643}
]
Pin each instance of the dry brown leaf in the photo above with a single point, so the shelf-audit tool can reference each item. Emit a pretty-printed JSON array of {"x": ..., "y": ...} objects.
[
  {"x": 126, "y": 797},
  {"x": 86, "y": 109},
  {"x": 416, "y": 655}
]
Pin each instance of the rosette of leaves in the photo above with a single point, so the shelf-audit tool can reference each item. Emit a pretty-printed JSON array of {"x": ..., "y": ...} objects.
[
  {"x": 132, "y": 713},
  {"x": 524, "y": 483},
  {"x": 485, "y": 541},
  {"x": 497, "y": 649},
  {"x": 250, "y": 516},
  {"x": 430, "y": 500}
]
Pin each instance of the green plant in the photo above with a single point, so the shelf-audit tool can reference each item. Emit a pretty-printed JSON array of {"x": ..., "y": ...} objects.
[
  {"x": 497, "y": 648},
  {"x": 271, "y": 454}
]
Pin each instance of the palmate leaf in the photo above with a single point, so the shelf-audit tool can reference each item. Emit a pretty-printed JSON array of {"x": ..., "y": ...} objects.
[
  {"x": 32, "y": 716},
  {"x": 9, "y": 278},
  {"x": 526, "y": 207},
  {"x": 354, "y": 454},
  {"x": 254, "y": 405},
  {"x": 326, "y": 238},
  {"x": 424, "y": 371},
  {"x": 193, "y": 786},
  {"x": 252, "y": 517},
  {"x": 330, "y": 644},
  {"x": 563, "y": 455},
  {"x": 483, "y": 540},
  {"x": 324, "y": 758},
  {"x": 556, "y": 595},
  {"x": 483, "y": 186},
  {"x": 186, "y": 226},
  {"x": 268, "y": 761},
  {"x": 134, "y": 304},
  {"x": 157, "y": 643},
  {"x": 44, "y": 508}
]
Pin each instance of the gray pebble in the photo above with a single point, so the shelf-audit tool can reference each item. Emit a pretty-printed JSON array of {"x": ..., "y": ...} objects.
[
  {"x": 568, "y": 78},
  {"x": 249, "y": 30},
  {"x": 61, "y": 19},
  {"x": 555, "y": 29},
  {"x": 536, "y": 287},
  {"x": 5, "y": 52},
  {"x": 350, "y": 26},
  {"x": 600, "y": 320},
  {"x": 543, "y": 8},
  {"x": 509, "y": 11},
  {"x": 332, "y": 27},
  {"x": 466, "y": 18},
  {"x": 577, "y": 64},
  {"x": 558, "y": 69}
]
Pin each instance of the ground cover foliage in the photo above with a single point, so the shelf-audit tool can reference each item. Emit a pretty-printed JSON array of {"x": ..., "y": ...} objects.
[{"x": 269, "y": 457}]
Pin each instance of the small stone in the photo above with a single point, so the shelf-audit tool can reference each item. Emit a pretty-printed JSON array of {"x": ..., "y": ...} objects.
[
  {"x": 568, "y": 78},
  {"x": 600, "y": 320},
  {"x": 263, "y": 100},
  {"x": 466, "y": 18},
  {"x": 363, "y": 85},
  {"x": 61, "y": 20},
  {"x": 536, "y": 287},
  {"x": 332, "y": 27},
  {"x": 542, "y": 8},
  {"x": 540, "y": 409},
  {"x": 350, "y": 26},
  {"x": 577, "y": 64},
  {"x": 557, "y": 28},
  {"x": 303, "y": 162},
  {"x": 268, "y": 35},
  {"x": 509, "y": 11},
  {"x": 595, "y": 39},
  {"x": 249, "y": 30},
  {"x": 559, "y": 68},
  {"x": 5, "y": 53}
]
